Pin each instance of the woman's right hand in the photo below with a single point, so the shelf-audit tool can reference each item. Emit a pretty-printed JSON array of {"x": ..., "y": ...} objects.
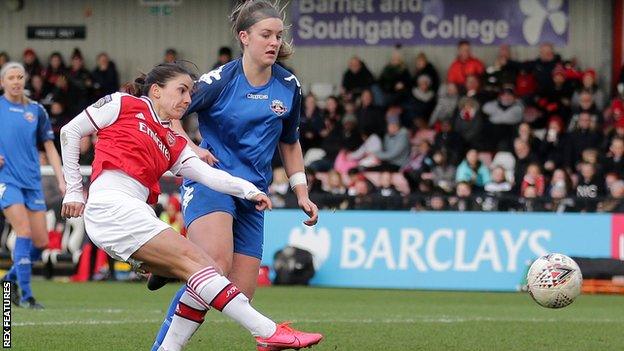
[
  {"x": 262, "y": 202},
  {"x": 72, "y": 209},
  {"x": 205, "y": 155}
]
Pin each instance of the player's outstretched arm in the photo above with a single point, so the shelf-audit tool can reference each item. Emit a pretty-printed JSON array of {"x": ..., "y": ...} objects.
[
  {"x": 203, "y": 154},
  {"x": 190, "y": 166}
]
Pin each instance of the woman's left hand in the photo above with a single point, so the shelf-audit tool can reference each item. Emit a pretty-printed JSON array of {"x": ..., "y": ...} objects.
[
  {"x": 310, "y": 209},
  {"x": 263, "y": 202}
]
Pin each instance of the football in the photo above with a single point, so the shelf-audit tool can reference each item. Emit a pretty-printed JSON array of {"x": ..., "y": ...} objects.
[{"x": 554, "y": 280}]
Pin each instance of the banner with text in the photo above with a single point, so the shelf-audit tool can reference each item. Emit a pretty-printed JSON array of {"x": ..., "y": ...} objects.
[
  {"x": 464, "y": 251},
  {"x": 429, "y": 22}
]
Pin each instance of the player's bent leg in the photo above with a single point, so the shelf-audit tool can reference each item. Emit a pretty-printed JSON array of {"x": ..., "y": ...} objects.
[{"x": 244, "y": 273}]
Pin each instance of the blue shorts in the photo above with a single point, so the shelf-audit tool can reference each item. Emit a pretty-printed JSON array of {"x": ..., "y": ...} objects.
[
  {"x": 248, "y": 226},
  {"x": 32, "y": 198}
]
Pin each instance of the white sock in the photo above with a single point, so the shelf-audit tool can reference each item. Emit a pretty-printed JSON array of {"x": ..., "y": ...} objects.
[
  {"x": 217, "y": 291},
  {"x": 188, "y": 317}
]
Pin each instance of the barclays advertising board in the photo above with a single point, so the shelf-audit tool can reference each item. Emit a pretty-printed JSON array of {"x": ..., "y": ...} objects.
[{"x": 466, "y": 251}]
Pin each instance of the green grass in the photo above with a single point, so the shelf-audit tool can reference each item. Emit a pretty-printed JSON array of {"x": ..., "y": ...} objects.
[{"x": 125, "y": 316}]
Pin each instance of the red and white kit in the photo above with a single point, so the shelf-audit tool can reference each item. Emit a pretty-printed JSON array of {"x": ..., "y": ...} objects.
[{"x": 134, "y": 149}]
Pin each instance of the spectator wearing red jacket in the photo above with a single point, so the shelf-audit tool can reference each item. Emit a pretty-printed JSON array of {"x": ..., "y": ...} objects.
[{"x": 464, "y": 65}]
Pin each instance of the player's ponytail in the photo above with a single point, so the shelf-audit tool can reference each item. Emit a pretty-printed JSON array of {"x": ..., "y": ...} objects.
[
  {"x": 134, "y": 88},
  {"x": 250, "y": 12}
]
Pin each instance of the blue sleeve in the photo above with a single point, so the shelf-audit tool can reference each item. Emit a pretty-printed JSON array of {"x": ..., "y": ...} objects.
[
  {"x": 207, "y": 90},
  {"x": 44, "y": 128},
  {"x": 290, "y": 129}
]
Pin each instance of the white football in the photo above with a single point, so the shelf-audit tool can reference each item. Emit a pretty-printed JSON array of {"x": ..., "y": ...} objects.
[{"x": 554, "y": 280}]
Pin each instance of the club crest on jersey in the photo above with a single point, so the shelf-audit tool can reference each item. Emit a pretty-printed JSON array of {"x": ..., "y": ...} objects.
[
  {"x": 171, "y": 139},
  {"x": 29, "y": 116},
  {"x": 278, "y": 107}
]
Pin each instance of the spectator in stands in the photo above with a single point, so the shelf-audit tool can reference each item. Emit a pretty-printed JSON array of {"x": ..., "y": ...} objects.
[
  {"x": 469, "y": 122},
  {"x": 471, "y": 170},
  {"x": 448, "y": 96},
  {"x": 422, "y": 132},
  {"x": 616, "y": 131},
  {"x": 534, "y": 178},
  {"x": 331, "y": 143},
  {"x": 80, "y": 84},
  {"x": 442, "y": 173},
  {"x": 333, "y": 109},
  {"x": 543, "y": 66},
  {"x": 419, "y": 162},
  {"x": 590, "y": 84},
  {"x": 386, "y": 196},
  {"x": 591, "y": 156},
  {"x": 423, "y": 98},
  {"x": 472, "y": 89},
  {"x": 38, "y": 91},
  {"x": 525, "y": 132},
  {"x": 589, "y": 188},
  {"x": 499, "y": 183},
  {"x": 370, "y": 117},
  {"x": 172, "y": 214},
  {"x": 311, "y": 124},
  {"x": 361, "y": 199},
  {"x": 4, "y": 58},
  {"x": 279, "y": 187},
  {"x": 586, "y": 105},
  {"x": 555, "y": 101},
  {"x": 524, "y": 157},
  {"x": 351, "y": 137},
  {"x": 105, "y": 76},
  {"x": 396, "y": 147},
  {"x": 334, "y": 183},
  {"x": 502, "y": 72},
  {"x": 58, "y": 118},
  {"x": 615, "y": 201},
  {"x": 504, "y": 115},
  {"x": 526, "y": 85},
  {"x": 60, "y": 91},
  {"x": 450, "y": 141},
  {"x": 552, "y": 148},
  {"x": 615, "y": 159},
  {"x": 55, "y": 69},
  {"x": 31, "y": 64},
  {"x": 365, "y": 155},
  {"x": 395, "y": 79},
  {"x": 463, "y": 199},
  {"x": 583, "y": 137},
  {"x": 356, "y": 79},
  {"x": 437, "y": 202},
  {"x": 424, "y": 68},
  {"x": 464, "y": 65},
  {"x": 171, "y": 55},
  {"x": 559, "y": 190},
  {"x": 224, "y": 56},
  {"x": 529, "y": 201}
]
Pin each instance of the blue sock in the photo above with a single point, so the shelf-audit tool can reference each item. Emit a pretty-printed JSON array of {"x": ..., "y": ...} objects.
[
  {"x": 167, "y": 322},
  {"x": 23, "y": 265},
  {"x": 35, "y": 253},
  {"x": 10, "y": 274}
]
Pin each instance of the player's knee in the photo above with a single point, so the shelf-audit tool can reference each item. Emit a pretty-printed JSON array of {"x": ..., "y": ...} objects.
[
  {"x": 224, "y": 263},
  {"x": 40, "y": 242}
]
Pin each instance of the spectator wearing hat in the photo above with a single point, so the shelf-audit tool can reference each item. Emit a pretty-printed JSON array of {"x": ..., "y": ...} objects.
[
  {"x": 356, "y": 79},
  {"x": 589, "y": 83},
  {"x": 224, "y": 56},
  {"x": 105, "y": 76},
  {"x": 504, "y": 115},
  {"x": 32, "y": 65},
  {"x": 464, "y": 65},
  {"x": 396, "y": 147}
]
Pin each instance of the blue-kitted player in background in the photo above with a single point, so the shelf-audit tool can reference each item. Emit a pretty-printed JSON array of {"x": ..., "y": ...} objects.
[{"x": 24, "y": 125}]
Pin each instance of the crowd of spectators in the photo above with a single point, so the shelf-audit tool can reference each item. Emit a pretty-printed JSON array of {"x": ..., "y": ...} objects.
[{"x": 538, "y": 135}]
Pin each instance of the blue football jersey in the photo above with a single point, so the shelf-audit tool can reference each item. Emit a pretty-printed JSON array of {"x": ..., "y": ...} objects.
[
  {"x": 241, "y": 125},
  {"x": 22, "y": 127}
]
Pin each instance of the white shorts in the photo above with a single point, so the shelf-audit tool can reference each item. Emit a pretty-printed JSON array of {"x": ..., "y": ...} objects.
[{"x": 119, "y": 223}]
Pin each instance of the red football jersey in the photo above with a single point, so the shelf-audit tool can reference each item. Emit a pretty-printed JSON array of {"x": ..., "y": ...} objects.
[{"x": 137, "y": 142}]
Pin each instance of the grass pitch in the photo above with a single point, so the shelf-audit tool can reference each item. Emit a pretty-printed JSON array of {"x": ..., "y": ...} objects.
[{"x": 125, "y": 316}]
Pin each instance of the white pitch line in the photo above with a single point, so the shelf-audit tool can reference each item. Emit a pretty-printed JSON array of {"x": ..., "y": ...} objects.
[{"x": 442, "y": 320}]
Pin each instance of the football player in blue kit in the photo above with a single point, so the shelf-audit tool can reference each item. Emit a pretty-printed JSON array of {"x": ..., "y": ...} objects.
[
  {"x": 23, "y": 125},
  {"x": 246, "y": 109}
]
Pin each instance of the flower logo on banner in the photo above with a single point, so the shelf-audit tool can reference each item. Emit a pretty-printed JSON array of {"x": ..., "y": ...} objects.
[
  {"x": 317, "y": 242},
  {"x": 537, "y": 15}
]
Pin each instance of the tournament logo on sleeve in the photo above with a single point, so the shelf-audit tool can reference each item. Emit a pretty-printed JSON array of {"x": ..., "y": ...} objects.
[
  {"x": 278, "y": 107},
  {"x": 101, "y": 102}
]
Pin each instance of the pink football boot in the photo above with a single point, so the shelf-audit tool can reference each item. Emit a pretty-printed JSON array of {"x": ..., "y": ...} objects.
[{"x": 286, "y": 337}]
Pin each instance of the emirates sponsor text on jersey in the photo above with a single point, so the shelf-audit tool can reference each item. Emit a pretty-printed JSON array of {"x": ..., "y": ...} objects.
[{"x": 161, "y": 146}]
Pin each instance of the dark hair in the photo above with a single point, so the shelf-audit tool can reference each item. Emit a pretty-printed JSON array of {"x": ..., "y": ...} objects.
[
  {"x": 160, "y": 75},
  {"x": 224, "y": 50},
  {"x": 250, "y": 12},
  {"x": 463, "y": 42}
]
